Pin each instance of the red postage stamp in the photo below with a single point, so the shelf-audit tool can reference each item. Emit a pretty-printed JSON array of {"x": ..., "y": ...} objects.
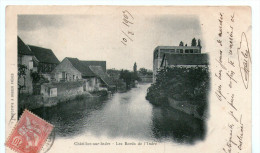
[{"x": 29, "y": 134}]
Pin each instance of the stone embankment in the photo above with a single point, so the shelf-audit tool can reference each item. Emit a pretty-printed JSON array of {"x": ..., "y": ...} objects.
[{"x": 36, "y": 101}]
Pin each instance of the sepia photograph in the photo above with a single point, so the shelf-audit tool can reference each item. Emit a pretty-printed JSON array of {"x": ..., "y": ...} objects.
[
  {"x": 114, "y": 77},
  {"x": 81, "y": 88}
]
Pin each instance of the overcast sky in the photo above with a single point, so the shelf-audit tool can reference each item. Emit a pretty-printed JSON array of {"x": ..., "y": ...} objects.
[{"x": 97, "y": 37}]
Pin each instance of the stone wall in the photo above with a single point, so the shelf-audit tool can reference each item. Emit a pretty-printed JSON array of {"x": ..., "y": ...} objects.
[{"x": 62, "y": 88}]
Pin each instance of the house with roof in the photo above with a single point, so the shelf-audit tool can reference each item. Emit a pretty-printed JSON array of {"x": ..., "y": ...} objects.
[
  {"x": 102, "y": 64},
  {"x": 180, "y": 56},
  {"x": 25, "y": 63},
  {"x": 105, "y": 80},
  {"x": 45, "y": 60},
  {"x": 92, "y": 72}
]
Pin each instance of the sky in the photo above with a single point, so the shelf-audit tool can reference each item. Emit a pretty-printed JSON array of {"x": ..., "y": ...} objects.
[{"x": 99, "y": 36}]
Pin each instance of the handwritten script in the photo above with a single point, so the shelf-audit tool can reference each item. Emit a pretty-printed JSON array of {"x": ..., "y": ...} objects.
[
  {"x": 244, "y": 59},
  {"x": 127, "y": 21},
  {"x": 233, "y": 67}
]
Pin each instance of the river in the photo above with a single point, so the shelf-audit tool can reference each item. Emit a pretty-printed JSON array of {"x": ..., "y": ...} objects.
[{"x": 122, "y": 115}]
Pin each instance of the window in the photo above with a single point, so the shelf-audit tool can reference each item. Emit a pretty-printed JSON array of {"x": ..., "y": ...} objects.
[
  {"x": 30, "y": 65},
  {"x": 181, "y": 51},
  {"x": 73, "y": 77},
  {"x": 196, "y": 51},
  {"x": 186, "y": 51},
  {"x": 172, "y": 50},
  {"x": 191, "y": 51},
  {"x": 168, "y": 50}
]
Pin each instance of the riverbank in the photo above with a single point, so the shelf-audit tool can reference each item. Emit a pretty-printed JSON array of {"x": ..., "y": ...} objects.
[
  {"x": 186, "y": 107},
  {"x": 27, "y": 101},
  {"x": 184, "y": 89},
  {"x": 126, "y": 114}
]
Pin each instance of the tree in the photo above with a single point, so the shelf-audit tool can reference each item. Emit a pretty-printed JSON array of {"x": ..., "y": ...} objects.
[
  {"x": 35, "y": 77},
  {"x": 199, "y": 45},
  {"x": 126, "y": 76},
  {"x": 181, "y": 43},
  {"x": 194, "y": 42},
  {"x": 38, "y": 78},
  {"x": 135, "y": 68},
  {"x": 143, "y": 71}
]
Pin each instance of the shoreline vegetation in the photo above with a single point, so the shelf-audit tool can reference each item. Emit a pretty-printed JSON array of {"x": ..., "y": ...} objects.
[{"x": 184, "y": 89}]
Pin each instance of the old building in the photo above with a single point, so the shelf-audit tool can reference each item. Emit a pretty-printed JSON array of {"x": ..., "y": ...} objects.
[
  {"x": 45, "y": 60},
  {"x": 70, "y": 69},
  {"x": 25, "y": 66},
  {"x": 92, "y": 72},
  {"x": 105, "y": 82},
  {"x": 184, "y": 60},
  {"x": 177, "y": 56},
  {"x": 102, "y": 64}
]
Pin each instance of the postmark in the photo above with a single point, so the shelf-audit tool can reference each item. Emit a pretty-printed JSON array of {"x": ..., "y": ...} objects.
[
  {"x": 48, "y": 143},
  {"x": 29, "y": 134}
]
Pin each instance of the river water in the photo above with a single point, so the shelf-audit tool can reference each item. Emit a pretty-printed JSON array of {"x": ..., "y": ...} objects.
[{"x": 122, "y": 115}]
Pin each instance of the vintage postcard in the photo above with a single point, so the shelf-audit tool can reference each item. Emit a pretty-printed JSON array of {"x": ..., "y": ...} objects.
[{"x": 132, "y": 79}]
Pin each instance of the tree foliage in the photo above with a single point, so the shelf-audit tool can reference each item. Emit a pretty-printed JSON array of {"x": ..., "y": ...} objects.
[
  {"x": 181, "y": 43},
  {"x": 38, "y": 78},
  {"x": 199, "y": 43},
  {"x": 194, "y": 42},
  {"x": 144, "y": 71},
  {"x": 128, "y": 77},
  {"x": 183, "y": 84},
  {"x": 135, "y": 67}
]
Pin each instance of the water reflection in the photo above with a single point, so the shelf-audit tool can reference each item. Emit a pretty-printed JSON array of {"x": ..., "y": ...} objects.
[
  {"x": 122, "y": 115},
  {"x": 69, "y": 118},
  {"x": 171, "y": 124}
]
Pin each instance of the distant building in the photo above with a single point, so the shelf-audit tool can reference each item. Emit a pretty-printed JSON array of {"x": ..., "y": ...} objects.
[
  {"x": 184, "y": 56},
  {"x": 92, "y": 72},
  {"x": 25, "y": 58},
  {"x": 45, "y": 60}
]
